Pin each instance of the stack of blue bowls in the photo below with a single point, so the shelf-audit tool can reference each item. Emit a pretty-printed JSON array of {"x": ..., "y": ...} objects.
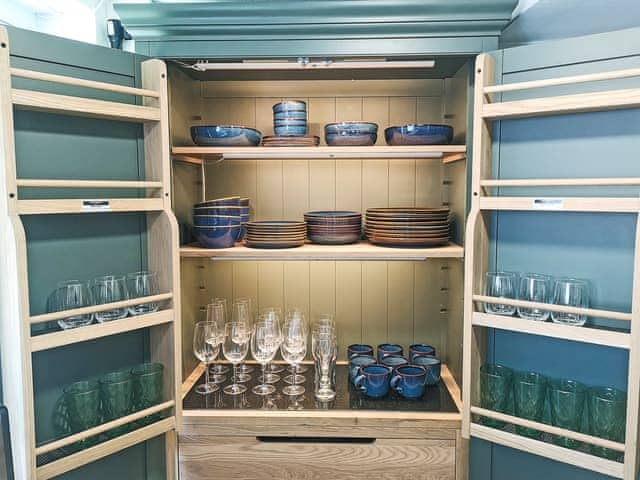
[
  {"x": 290, "y": 118},
  {"x": 221, "y": 222}
]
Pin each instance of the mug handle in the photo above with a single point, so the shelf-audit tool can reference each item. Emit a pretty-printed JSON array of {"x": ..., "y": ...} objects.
[
  {"x": 358, "y": 383},
  {"x": 394, "y": 383}
]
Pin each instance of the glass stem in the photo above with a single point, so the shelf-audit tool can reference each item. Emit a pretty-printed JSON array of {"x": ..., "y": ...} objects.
[
  {"x": 264, "y": 373},
  {"x": 235, "y": 373},
  {"x": 295, "y": 373},
  {"x": 206, "y": 373}
]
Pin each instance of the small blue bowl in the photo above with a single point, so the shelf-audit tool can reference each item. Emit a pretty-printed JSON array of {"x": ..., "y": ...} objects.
[
  {"x": 290, "y": 123},
  {"x": 225, "y": 136},
  {"x": 220, "y": 202},
  {"x": 291, "y": 115},
  {"x": 217, "y": 237},
  {"x": 290, "y": 131},
  {"x": 288, "y": 105},
  {"x": 433, "y": 366},
  {"x": 351, "y": 133},
  {"x": 235, "y": 211},
  {"x": 424, "y": 134},
  {"x": 216, "y": 220}
]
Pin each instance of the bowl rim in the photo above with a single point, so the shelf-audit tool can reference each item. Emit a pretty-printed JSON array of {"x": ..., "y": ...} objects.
[
  {"x": 350, "y": 122},
  {"x": 219, "y": 216},
  {"x": 227, "y": 126},
  {"x": 219, "y": 206},
  {"x": 195, "y": 227},
  {"x": 420, "y": 125}
]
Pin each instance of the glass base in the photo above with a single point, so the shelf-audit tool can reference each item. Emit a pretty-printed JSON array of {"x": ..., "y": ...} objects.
[
  {"x": 274, "y": 368},
  {"x": 301, "y": 369},
  {"x": 244, "y": 368},
  {"x": 207, "y": 388},
  {"x": 241, "y": 378},
  {"x": 271, "y": 378},
  {"x": 217, "y": 378},
  {"x": 293, "y": 390},
  {"x": 263, "y": 389},
  {"x": 219, "y": 369},
  {"x": 234, "y": 389},
  {"x": 325, "y": 394},
  {"x": 289, "y": 379}
]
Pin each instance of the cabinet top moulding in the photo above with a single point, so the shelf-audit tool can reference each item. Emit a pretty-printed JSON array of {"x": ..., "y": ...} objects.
[{"x": 196, "y": 155}]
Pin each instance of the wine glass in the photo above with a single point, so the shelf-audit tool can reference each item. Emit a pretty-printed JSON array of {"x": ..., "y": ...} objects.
[
  {"x": 293, "y": 350},
  {"x": 206, "y": 346},
  {"x": 296, "y": 314},
  {"x": 264, "y": 344},
  {"x": 271, "y": 318},
  {"x": 70, "y": 295},
  {"x": 215, "y": 314},
  {"x": 241, "y": 311},
  {"x": 235, "y": 348},
  {"x": 218, "y": 368},
  {"x": 272, "y": 368}
]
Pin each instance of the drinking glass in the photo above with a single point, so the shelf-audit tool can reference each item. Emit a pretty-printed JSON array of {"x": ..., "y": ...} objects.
[
  {"x": 143, "y": 284},
  {"x": 116, "y": 397},
  {"x": 293, "y": 350},
  {"x": 235, "y": 348},
  {"x": 272, "y": 368},
  {"x": 206, "y": 345},
  {"x": 566, "y": 402},
  {"x": 529, "y": 392},
  {"x": 496, "y": 382},
  {"x": 607, "y": 413},
  {"x": 82, "y": 400},
  {"x": 273, "y": 320},
  {"x": 218, "y": 368},
  {"x": 296, "y": 314},
  {"x": 148, "y": 385},
  {"x": 108, "y": 289},
  {"x": 571, "y": 292},
  {"x": 216, "y": 315},
  {"x": 69, "y": 295},
  {"x": 534, "y": 288},
  {"x": 325, "y": 319},
  {"x": 324, "y": 348},
  {"x": 501, "y": 285},
  {"x": 264, "y": 344},
  {"x": 242, "y": 311}
]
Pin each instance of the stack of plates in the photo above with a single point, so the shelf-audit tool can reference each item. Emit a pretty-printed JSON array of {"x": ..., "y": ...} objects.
[
  {"x": 275, "y": 234},
  {"x": 408, "y": 227},
  {"x": 290, "y": 141},
  {"x": 333, "y": 227}
]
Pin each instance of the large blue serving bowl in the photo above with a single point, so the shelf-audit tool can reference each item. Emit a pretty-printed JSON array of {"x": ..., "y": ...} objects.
[
  {"x": 225, "y": 136},
  {"x": 290, "y": 105},
  {"x": 217, "y": 237},
  {"x": 425, "y": 134},
  {"x": 221, "y": 210},
  {"x": 351, "y": 133},
  {"x": 216, "y": 220},
  {"x": 220, "y": 202}
]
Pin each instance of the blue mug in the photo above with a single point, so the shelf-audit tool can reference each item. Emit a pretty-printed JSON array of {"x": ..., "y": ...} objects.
[
  {"x": 355, "y": 363},
  {"x": 432, "y": 365},
  {"x": 394, "y": 361},
  {"x": 409, "y": 381},
  {"x": 373, "y": 380},
  {"x": 359, "y": 349},
  {"x": 420, "y": 350},
  {"x": 386, "y": 349}
]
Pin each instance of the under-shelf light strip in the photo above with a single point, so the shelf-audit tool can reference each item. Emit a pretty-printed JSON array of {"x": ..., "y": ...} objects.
[{"x": 322, "y": 65}]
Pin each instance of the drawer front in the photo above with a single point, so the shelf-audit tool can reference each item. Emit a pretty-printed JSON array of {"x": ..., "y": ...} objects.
[{"x": 251, "y": 458}]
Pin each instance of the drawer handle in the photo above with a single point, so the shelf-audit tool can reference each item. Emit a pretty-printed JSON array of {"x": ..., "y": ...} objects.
[{"x": 315, "y": 440}]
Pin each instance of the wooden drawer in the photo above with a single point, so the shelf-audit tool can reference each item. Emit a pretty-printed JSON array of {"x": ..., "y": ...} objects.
[{"x": 289, "y": 458}]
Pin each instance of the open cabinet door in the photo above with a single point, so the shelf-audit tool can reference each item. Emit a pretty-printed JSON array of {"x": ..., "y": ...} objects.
[{"x": 555, "y": 191}]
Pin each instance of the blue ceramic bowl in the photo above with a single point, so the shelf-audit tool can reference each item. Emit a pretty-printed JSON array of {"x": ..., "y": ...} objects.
[
  {"x": 420, "y": 350},
  {"x": 288, "y": 105},
  {"x": 225, "y": 136},
  {"x": 216, "y": 220},
  {"x": 409, "y": 381},
  {"x": 289, "y": 123},
  {"x": 357, "y": 362},
  {"x": 425, "y": 134},
  {"x": 216, "y": 237},
  {"x": 290, "y": 130},
  {"x": 291, "y": 115},
  {"x": 235, "y": 211},
  {"x": 220, "y": 202},
  {"x": 351, "y": 133},
  {"x": 433, "y": 367}
]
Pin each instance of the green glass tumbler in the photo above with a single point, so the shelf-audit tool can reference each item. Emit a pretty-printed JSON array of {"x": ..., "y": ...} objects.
[
  {"x": 82, "y": 401},
  {"x": 116, "y": 393},
  {"x": 529, "y": 391},
  {"x": 148, "y": 385},
  {"x": 607, "y": 413},
  {"x": 566, "y": 405},
  {"x": 495, "y": 387}
]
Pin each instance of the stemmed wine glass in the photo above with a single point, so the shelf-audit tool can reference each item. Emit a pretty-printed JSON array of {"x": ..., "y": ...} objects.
[
  {"x": 215, "y": 315},
  {"x": 235, "y": 348},
  {"x": 241, "y": 311},
  {"x": 272, "y": 313},
  {"x": 293, "y": 350},
  {"x": 264, "y": 344},
  {"x": 296, "y": 314},
  {"x": 206, "y": 346},
  {"x": 219, "y": 368}
]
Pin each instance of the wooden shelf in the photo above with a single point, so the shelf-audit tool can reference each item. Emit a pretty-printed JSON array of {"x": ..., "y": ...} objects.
[
  {"x": 309, "y": 251},
  {"x": 105, "y": 449},
  {"x": 553, "y": 330},
  {"x": 196, "y": 155},
  {"x": 82, "y": 107},
  {"x": 548, "y": 450},
  {"x": 45, "y": 207},
  {"x": 99, "y": 330},
  {"x": 44, "y": 183},
  {"x": 561, "y": 182},
  {"x": 567, "y": 204}
]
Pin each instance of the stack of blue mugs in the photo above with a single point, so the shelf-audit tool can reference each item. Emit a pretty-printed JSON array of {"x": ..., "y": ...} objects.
[
  {"x": 290, "y": 118},
  {"x": 389, "y": 370}
]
